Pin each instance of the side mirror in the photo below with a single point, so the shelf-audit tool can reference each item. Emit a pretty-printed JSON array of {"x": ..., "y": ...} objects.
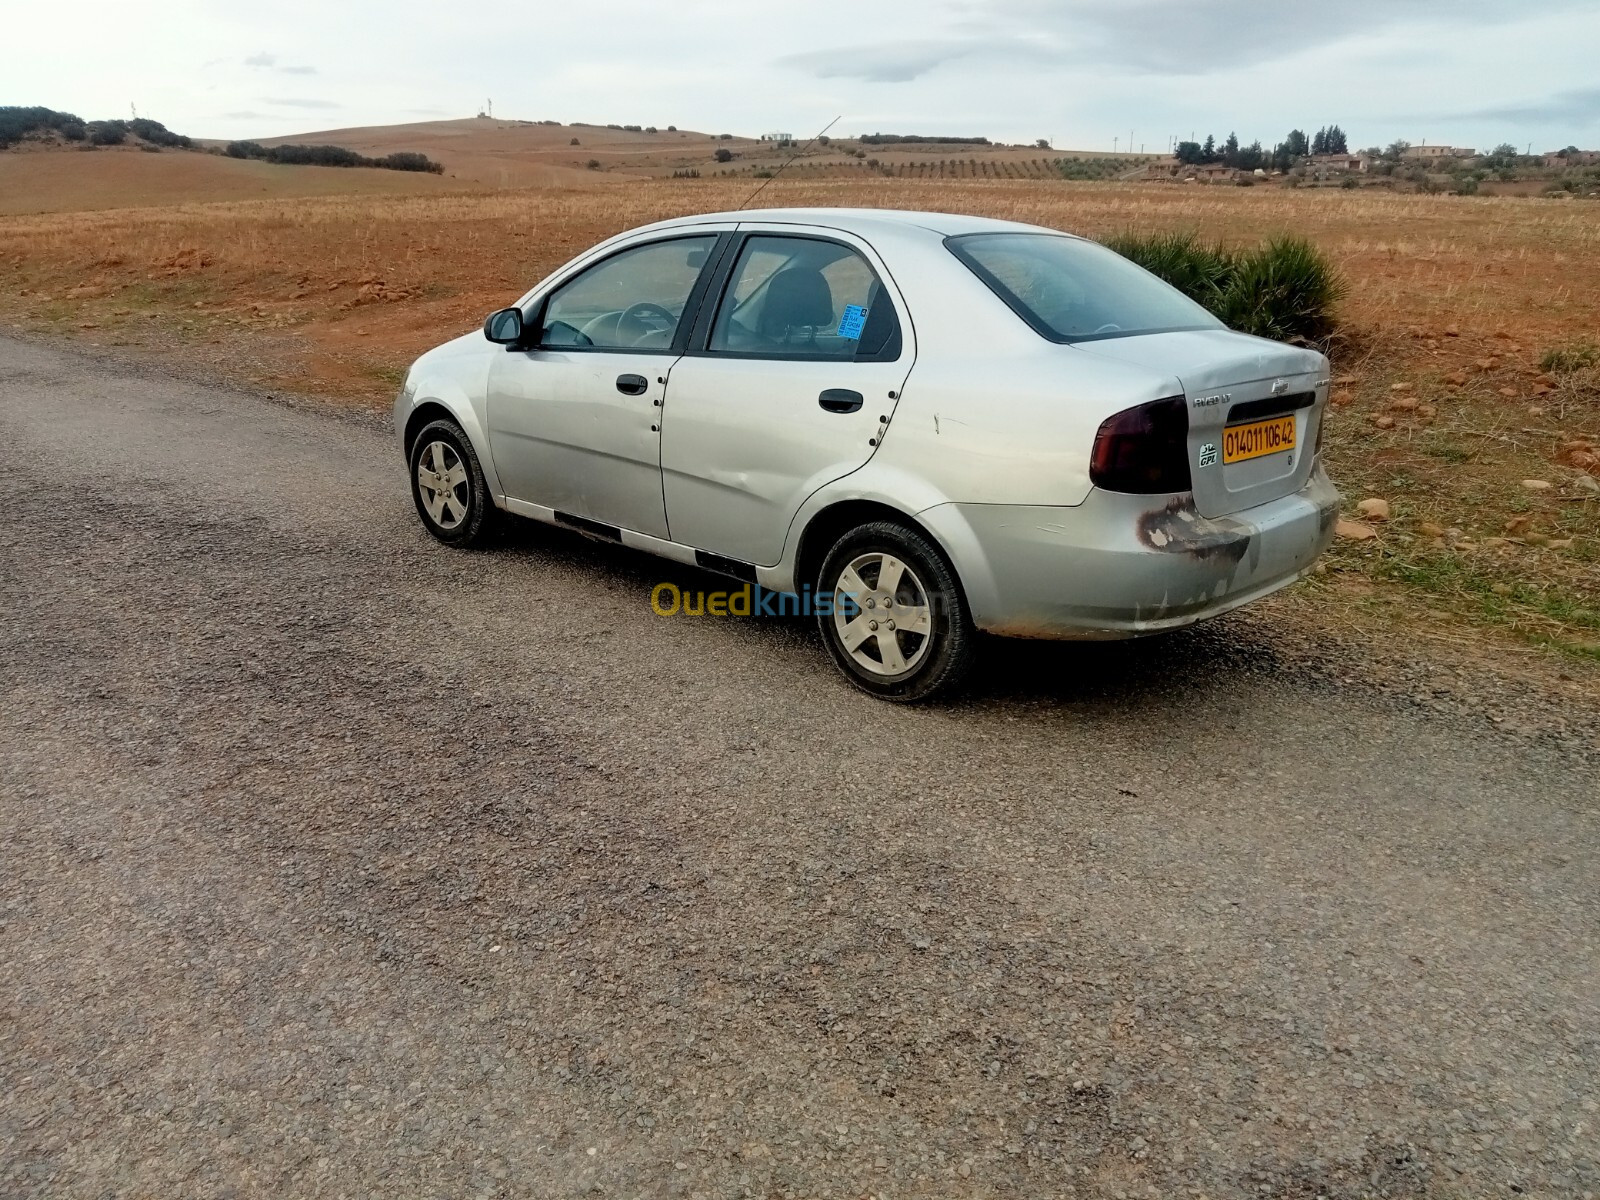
[{"x": 504, "y": 327}]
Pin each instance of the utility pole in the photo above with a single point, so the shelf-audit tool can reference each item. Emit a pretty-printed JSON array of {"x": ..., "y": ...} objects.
[{"x": 1114, "y": 142}]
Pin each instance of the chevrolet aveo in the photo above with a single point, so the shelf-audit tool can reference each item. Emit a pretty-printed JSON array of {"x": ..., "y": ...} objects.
[{"x": 922, "y": 425}]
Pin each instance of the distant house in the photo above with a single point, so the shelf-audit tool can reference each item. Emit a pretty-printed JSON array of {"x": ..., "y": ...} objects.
[
  {"x": 777, "y": 137},
  {"x": 1171, "y": 168},
  {"x": 1339, "y": 162},
  {"x": 1578, "y": 158},
  {"x": 1429, "y": 153}
]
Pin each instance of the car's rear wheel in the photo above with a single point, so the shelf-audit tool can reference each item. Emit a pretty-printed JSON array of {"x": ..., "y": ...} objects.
[
  {"x": 448, "y": 486},
  {"x": 898, "y": 624}
]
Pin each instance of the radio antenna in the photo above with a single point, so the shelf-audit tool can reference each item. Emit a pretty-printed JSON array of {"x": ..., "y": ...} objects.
[{"x": 787, "y": 161}]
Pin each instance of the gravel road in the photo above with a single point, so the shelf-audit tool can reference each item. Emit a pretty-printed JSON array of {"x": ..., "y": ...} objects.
[{"x": 340, "y": 864}]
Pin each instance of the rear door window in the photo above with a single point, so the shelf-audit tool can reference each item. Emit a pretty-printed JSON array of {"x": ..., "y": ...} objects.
[{"x": 796, "y": 297}]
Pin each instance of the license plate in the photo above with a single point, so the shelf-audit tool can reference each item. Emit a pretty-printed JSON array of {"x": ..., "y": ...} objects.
[{"x": 1241, "y": 442}]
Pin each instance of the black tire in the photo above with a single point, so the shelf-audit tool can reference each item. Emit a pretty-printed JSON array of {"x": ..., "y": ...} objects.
[
  {"x": 936, "y": 668},
  {"x": 468, "y": 516}
]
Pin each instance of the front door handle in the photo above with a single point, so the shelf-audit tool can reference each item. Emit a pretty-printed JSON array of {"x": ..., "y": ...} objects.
[
  {"x": 841, "y": 400},
  {"x": 632, "y": 385}
]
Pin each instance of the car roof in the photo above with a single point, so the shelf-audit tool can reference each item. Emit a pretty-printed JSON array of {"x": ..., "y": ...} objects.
[{"x": 864, "y": 221}]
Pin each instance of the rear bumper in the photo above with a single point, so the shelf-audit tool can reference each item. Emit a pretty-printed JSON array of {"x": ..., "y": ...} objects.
[{"x": 1121, "y": 566}]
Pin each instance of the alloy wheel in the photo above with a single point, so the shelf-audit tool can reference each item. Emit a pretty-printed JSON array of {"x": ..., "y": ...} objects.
[
  {"x": 887, "y": 629},
  {"x": 443, "y": 484}
]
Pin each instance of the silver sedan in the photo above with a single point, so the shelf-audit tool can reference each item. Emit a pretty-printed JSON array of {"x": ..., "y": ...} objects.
[{"x": 911, "y": 426}]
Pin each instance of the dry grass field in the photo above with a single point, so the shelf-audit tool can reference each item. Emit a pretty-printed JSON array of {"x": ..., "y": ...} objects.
[
  {"x": 126, "y": 177},
  {"x": 1448, "y": 404}
]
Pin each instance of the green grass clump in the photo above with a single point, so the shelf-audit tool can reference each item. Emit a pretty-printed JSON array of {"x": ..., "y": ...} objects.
[
  {"x": 1285, "y": 289},
  {"x": 1570, "y": 358}
]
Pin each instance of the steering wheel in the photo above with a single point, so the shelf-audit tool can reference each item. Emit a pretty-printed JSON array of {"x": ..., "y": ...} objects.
[{"x": 634, "y": 314}]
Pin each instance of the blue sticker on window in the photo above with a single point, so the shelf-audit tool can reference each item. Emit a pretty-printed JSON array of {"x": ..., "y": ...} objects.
[{"x": 853, "y": 322}]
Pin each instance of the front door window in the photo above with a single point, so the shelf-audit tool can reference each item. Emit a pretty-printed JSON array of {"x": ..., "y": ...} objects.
[{"x": 634, "y": 300}]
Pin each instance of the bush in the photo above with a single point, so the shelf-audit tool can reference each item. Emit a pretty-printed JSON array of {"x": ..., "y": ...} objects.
[
  {"x": 108, "y": 133},
  {"x": 1284, "y": 290},
  {"x": 723, "y": 154},
  {"x": 157, "y": 134},
  {"x": 1570, "y": 358},
  {"x": 593, "y": 164},
  {"x": 574, "y": 142},
  {"x": 1199, "y": 271},
  {"x": 332, "y": 156},
  {"x": 409, "y": 160},
  {"x": 17, "y": 123}
]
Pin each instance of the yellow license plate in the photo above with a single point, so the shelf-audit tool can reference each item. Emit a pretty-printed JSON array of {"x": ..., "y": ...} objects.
[{"x": 1241, "y": 442}]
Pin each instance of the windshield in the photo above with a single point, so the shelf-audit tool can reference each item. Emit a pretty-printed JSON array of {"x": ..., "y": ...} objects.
[{"x": 1071, "y": 290}]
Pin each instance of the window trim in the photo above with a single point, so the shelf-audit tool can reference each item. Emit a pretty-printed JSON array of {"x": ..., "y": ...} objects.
[
  {"x": 700, "y": 343},
  {"x": 1029, "y": 317},
  {"x": 691, "y": 307}
]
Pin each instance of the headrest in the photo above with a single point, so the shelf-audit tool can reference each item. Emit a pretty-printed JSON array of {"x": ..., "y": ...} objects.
[{"x": 797, "y": 297}]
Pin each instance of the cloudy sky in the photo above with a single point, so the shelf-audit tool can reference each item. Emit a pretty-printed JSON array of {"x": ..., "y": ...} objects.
[{"x": 1080, "y": 72}]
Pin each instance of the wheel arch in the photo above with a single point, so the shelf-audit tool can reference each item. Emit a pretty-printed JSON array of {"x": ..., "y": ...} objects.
[
  {"x": 465, "y": 414},
  {"x": 828, "y": 524},
  {"x": 424, "y": 414}
]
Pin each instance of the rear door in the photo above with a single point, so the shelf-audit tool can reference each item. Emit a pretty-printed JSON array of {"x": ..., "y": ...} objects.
[{"x": 786, "y": 386}]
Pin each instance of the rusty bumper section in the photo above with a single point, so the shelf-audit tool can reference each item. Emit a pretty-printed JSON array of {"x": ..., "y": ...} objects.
[{"x": 1121, "y": 566}]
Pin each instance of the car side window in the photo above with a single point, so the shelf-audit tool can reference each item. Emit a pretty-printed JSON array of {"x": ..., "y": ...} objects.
[
  {"x": 795, "y": 297},
  {"x": 634, "y": 300}
]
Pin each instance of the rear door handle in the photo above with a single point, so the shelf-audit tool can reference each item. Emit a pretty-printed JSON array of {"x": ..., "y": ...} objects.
[
  {"x": 632, "y": 385},
  {"x": 841, "y": 400}
]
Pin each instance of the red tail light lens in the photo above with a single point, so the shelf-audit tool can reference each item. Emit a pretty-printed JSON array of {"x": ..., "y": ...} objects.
[{"x": 1144, "y": 450}]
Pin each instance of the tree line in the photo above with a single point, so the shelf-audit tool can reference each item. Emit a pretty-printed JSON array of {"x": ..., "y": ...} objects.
[
  {"x": 1330, "y": 139},
  {"x": 915, "y": 139},
  {"x": 19, "y": 122},
  {"x": 332, "y": 156}
]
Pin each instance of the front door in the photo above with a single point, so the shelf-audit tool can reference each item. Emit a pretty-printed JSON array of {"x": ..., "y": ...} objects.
[
  {"x": 803, "y": 358},
  {"x": 574, "y": 422}
]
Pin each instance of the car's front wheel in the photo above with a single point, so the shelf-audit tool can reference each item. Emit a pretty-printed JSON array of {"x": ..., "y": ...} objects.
[
  {"x": 897, "y": 623},
  {"x": 448, "y": 486}
]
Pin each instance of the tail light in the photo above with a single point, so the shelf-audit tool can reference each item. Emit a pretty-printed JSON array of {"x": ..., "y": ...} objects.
[{"x": 1143, "y": 450}]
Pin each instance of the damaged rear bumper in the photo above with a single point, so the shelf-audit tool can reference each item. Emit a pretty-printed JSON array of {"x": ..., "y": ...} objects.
[{"x": 1121, "y": 566}]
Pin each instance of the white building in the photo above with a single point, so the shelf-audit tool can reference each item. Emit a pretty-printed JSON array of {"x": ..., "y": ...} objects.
[{"x": 777, "y": 137}]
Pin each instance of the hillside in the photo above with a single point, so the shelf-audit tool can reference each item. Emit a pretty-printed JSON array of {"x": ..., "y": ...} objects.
[
  {"x": 502, "y": 153},
  {"x": 69, "y": 180}
]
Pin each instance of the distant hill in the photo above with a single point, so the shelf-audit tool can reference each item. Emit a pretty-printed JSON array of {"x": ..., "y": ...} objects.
[{"x": 504, "y": 153}]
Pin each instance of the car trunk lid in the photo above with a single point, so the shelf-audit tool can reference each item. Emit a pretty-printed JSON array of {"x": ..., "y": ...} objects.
[{"x": 1254, "y": 409}]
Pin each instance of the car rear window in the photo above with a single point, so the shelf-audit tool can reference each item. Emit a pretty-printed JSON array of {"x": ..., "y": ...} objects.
[{"x": 1071, "y": 290}]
